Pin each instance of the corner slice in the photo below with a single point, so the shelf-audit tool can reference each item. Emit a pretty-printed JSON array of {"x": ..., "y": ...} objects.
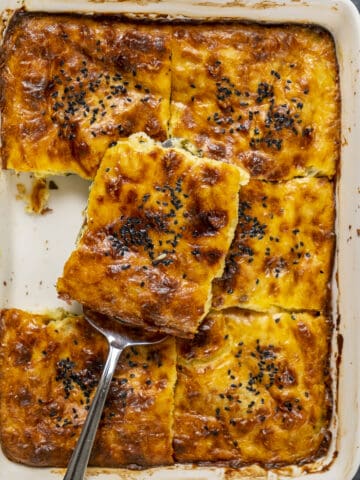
[
  {"x": 49, "y": 368},
  {"x": 252, "y": 388},
  {"x": 264, "y": 98},
  {"x": 72, "y": 85},
  {"x": 159, "y": 224}
]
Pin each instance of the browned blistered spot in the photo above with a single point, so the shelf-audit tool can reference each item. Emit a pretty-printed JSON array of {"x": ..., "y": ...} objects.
[
  {"x": 188, "y": 119},
  {"x": 230, "y": 272},
  {"x": 34, "y": 86},
  {"x": 42, "y": 453},
  {"x": 164, "y": 285},
  {"x": 218, "y": 301},
  {"x": 286, "y": 377},
  {"x": 131, "y": 197},
  {"x": 113, "y": 187},
  {"x": 151, "y": 312},
  {"x": 171, "y": 162},
  {"x": 212, "y": 256},
  {"x": 264, "y": 47},
  {"x": 261, "y": 55},
  {"x": 33, "y": 131},
  {"x": 214, "y": 69},
  {"x": 245, "y": 425},
  {"x": 180, "y": 33},
  {"x": 180, "y": 446},
  {"x": 139, "y": 402},
  {"x": 273, "y": 288},
  {"x": 123, "y": 62},
  {"x": 22, "y": 353},
  {"x": 127, "y": 126},
  {"x": 211, "y": 176},
  {"x": 290, "y": 416},
  {"x": 24, "y": 397},
  {"x": 257, "y": 163},
  {"x": 310, "y": 196},
  {"x": 299, "y": 160},
  {"x": 153, "y": 154},
  {"x": 275, "y": 264},
  {"x": 216, "y": 151},
  {"x": 307, "y": 137},
  {"x": 205, "y": 343},
  {"x": 303, "y": 333},
  {"x": 95, "y": 242},
  {"x": 143, "y": 42},
  {"x": 186, "y": 308},
  {"x": 154, "y": 129},
  {"x": 79, "y": 149},
  {"x": 298, "y": 274},
  {"x": 51, "y": 347},
  {"x": 207, "y": 224},
  {"x": 265, "y": 436}
]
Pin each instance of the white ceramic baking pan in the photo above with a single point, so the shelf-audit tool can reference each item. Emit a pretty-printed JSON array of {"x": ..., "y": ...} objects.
[{"x": 34, "y": 248}]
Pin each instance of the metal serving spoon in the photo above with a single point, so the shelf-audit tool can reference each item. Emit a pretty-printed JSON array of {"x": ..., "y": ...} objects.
[{"x": 119, "y": 336}]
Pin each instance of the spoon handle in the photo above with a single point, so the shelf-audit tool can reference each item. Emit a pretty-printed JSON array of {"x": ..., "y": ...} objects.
[{"x": 80, "y": 457}]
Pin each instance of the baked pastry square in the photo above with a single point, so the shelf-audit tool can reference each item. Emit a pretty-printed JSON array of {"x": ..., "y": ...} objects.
[
  {"x": 159, "y": 224},
  {"x": 265, "y": 97},
  {"x": 71, "y": 85},
  {"x": 50, "y": 366},
  {"x": 282, "y": 253},
  {"x": 254, "y": 388}
]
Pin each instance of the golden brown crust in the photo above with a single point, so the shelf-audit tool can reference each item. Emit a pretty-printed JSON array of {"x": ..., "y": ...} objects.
[
  {"x": 71, "y": 85},
  {"x": 253, "y": 388},
  {"x": 264, "y": 97},
  {"x": 49, "y": 368},
  {"x": 159, "y": 224},
  {"x": 283, "y": 247}
]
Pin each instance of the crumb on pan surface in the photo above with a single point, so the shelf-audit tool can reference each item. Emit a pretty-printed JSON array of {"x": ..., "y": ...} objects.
[{"x": 159, "y": 224}]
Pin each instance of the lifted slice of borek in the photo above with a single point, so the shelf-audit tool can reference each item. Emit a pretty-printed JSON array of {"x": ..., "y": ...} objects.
[{"x": 160, "y": 222}]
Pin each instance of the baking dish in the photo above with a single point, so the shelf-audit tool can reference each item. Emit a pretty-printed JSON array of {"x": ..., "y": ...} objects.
[{"x": 33, "y": 249}]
